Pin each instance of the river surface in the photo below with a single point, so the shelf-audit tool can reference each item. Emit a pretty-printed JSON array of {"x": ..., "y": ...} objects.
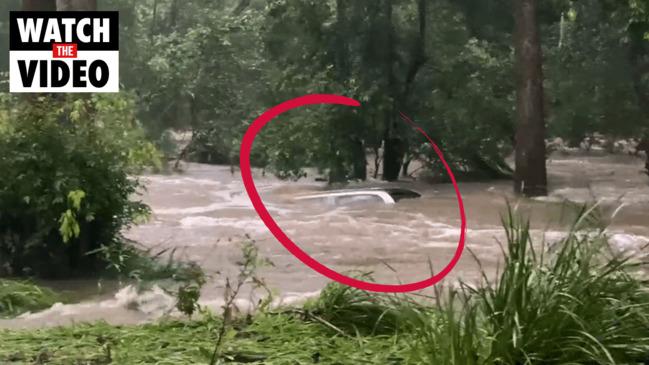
[{"x": 204, "y": 214}]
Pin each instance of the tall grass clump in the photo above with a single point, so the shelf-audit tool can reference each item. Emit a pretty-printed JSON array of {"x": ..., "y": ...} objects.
[
  {"x": 355, "y": 311},
  {"x": 573, "y": 302}
]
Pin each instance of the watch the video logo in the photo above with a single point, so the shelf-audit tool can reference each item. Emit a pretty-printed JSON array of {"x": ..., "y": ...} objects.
[{"x": 64, "y": 52}]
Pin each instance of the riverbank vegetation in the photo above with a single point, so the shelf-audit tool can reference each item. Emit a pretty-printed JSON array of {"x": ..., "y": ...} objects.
[
  {"x": 18, "y": 297},
  {"x": 211, "y": 67},
  {"x": 572, "y": 301},
  {"x": 66, "y": 189}
]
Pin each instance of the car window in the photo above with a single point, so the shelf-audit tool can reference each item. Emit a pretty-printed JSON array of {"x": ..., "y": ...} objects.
[
  {"x": 358, "y": 199},
  {"x": 403, "y": 194},
  {"x": 319, "y": 200}
]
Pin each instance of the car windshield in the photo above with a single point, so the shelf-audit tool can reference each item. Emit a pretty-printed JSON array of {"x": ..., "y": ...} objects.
[{"x": 398, "y": 194}]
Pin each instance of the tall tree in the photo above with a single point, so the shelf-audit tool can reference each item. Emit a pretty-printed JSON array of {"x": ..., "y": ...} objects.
[
  {"x": 530, "y": 176},
  {"x": 393, "y": 151},
  {"x": 399, "y": 88},
  {"x": 638, "y": 51}
]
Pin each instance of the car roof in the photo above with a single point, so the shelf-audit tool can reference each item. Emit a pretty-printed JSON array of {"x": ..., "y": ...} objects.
[{"x": 394, "y": 193}]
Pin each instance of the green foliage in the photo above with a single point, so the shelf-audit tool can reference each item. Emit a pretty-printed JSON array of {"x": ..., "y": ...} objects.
[
  {"x": 211, "y": 69},
  {"x": 194, "y": 65},
  {"x": 464, "y": 99},
  {"x": 17, "y": 297},
  {"x": 212, "y": 66},
  {"x": 590, "y": 83},
  {"x": 66, "y": 190},
  {"x": 69, "y": 225},
  {"x": 251, "y": 261},
  {"x": 188, "y": 296},
  {"x": 268, "y": 339},
  {"x": 189, "y": 293},
  {"x": 343, "y": 48},
  {"x": 356, "y": 311},
  {"x": 130, "y": 262}
]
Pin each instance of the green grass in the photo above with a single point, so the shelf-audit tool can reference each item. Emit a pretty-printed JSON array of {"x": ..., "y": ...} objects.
[
  {"x": 17, "y": 297},
  {"x": 357, "y": 312},
  {"x": 268, "y": 339}
]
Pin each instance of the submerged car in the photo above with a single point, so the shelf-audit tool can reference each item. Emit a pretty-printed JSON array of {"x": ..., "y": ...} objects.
[{"x": 354, "y": 196}]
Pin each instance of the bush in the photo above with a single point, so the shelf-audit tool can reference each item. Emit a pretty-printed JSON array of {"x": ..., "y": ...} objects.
[
  {"x": 355, "y": 311},
  {"x": 20, "y": 297},
  {"x": 65, "y": 188}
]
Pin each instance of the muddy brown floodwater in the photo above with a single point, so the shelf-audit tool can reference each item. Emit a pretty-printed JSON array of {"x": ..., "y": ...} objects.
[{"x": 204, "y": 214}]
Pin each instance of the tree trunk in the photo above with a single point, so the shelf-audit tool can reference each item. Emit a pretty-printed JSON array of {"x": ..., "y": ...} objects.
[
  {"x": 343, "y": 134},
  {"x": 406, "y": 167},
  {"x": 337, "y": 171},
  {"x": 393, "y": 151},
  {"x": 173, "y": 14},
  {"x": 638, "y": 57},
  {"x": 638, "y": 52},
  {"x": 392, "y": 158},
  {"x": 193, "y": 121},
  {"x": 154, "y": 23},
  {"x": 39, "y": 5},
  {"x": 417, "y": 60},
  {"x": 76, "y": 5},
  {"x": 530, "y": 176},
  {"x": 417, "y": 53},
  {"x": 341, "y": 47},
  {"x": 643, "y": 146},
  {"x": 396, "y": 145},
  {"x": 377, "y": 161},
  {"x": 359, "y": 160}
]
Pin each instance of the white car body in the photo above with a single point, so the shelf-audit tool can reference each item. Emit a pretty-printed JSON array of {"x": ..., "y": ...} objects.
[{"x": 343, "y": 197}]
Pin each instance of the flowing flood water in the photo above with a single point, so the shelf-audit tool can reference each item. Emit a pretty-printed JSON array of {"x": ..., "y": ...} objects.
[{"x": 205, "y": 214}]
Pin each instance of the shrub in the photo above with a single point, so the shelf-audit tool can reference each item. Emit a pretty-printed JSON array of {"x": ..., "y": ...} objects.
[
  {"x": 355, "y": 311},
  {"x": 18, "y": 297},
  {"x": 65, "y": 188}
]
